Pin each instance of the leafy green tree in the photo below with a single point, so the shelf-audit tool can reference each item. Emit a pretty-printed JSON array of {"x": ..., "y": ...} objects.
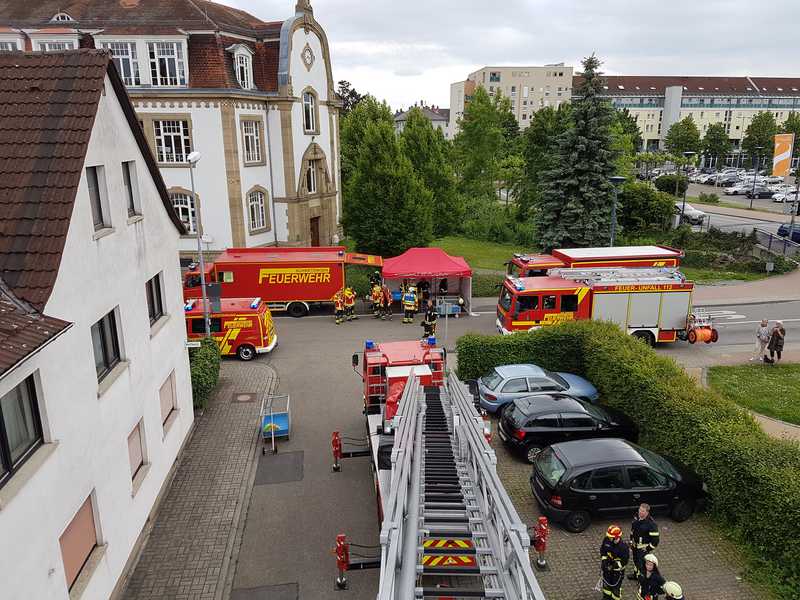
[
  {"x": 350, "y": 97},
  {"x": 387, "y": 208},
  {"x": 716, "y": 143},
  {"x": 479, "y": 144},
  {"x": 672, "y": 184},
  {"x": 539, "y": 149},
  {"x": 352, "y": 129},
  {"x": 427, "y": 150},
  {"x": 649, "y": 160},
  {"x": 630, "y": 127},
  {"x": 760, "y": 134},
  {"x": 644, "y": 209},
  {"x": 624, "y": 149},
  {"x": 575, "y": 205},
  {"x": 683, "y": 136},
  {"x": 510, "y": 172},
  {"x": 508, "y": 122},
  {"x": 792, "y": 125}
]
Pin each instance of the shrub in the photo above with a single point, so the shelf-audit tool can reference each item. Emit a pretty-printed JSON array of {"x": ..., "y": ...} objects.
[
  {"x": 753, "y": 480},
  {"x": 357, "y": 277},
  {"x": 666, "y": 183},
  {"x": 704, "y": 198},
  {"x": 204, "y": 367},
  {"x": 484, "y": 285},
  {"x": 644, "y": 209}
]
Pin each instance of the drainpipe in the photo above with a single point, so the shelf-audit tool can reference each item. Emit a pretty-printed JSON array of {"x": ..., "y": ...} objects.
[{"x": 271, "y": 180}]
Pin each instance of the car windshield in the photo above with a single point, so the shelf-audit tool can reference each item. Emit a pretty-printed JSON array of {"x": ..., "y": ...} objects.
[
  {"x": 659, "y": 463},
  {"x": 517, "y": 416},
  {"x": 558, "y": 379},
  {"x": 505, "y": 299},
  {"x": 491, "y": 380},
  {"x": 550, "y": 466}
]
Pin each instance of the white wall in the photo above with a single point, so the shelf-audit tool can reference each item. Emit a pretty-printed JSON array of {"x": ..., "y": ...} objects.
[{"x": 96, "y": 276}]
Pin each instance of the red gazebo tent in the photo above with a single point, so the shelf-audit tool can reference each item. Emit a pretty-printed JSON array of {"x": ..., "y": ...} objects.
[{"x": 434, "y": 265}]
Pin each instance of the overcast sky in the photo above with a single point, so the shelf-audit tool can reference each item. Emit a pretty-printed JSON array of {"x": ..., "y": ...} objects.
[{"x": 409, "y": 50}]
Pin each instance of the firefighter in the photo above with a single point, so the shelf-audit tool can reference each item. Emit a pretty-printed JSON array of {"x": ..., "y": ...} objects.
[
  {"x": 338, "y": 306},
  {"x": 409, "y": 304},
  {"x": 377, "y": 300},
  {"x": 613, "y": 558},
  {"x": 424, "y": 288},
  {"x": 651, "y": 583},
  {"x": 386, "y": 302},
  {"x": 375, "y": 279},
  {"x": 429, "y": 321},
  {"x": 644, "y": 538},
  {"x": 673, "y": 591},
  {"x": 350, "y": 303}
]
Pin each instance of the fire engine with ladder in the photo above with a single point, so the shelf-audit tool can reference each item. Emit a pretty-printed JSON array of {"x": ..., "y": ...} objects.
[
  {"x": 653, "y": 304},
  {"x": 448, "y": 528}
]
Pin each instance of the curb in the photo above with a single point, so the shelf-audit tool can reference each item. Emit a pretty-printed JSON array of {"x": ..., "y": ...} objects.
[{"x": 746, "y": 301}]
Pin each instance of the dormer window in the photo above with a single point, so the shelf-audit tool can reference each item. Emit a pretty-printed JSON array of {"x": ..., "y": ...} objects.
[
  {"x": 242, "y": 65},
  {"x": 61, "y": 17}
]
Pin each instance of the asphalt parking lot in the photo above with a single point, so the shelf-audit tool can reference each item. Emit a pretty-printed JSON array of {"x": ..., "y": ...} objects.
[
  {"x": 765, "y": 204},
  {"x": 291, "y": 523}
]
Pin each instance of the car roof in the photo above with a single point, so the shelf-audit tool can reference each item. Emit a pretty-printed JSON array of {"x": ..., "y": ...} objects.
[
  {"x": 579, "y": 453},
  {"x": 538, "y": 404},
  {"x": 507, "y": 371}
]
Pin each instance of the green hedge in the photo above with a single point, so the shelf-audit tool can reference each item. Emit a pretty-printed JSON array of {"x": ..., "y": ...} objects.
[
  {"x": 204, "y": 367},
  {"x": 484, "y": 285},
  {"x": 753, "y": 480}
]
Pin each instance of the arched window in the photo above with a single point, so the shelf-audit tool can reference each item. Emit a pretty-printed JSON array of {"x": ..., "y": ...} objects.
[
  {"x": 256, "y": 207},
  {"x": 309, "y": 112},
  {"x": 184, "y": 208},
  {"x": 244, "y": 70},
  {"x": 61, "y": 17}
]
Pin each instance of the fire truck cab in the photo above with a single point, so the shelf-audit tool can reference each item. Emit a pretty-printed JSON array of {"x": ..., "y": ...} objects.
[
  {"x": 653, "y": 304},
  {"x": 537, "y": 265},
  {"x": 241, "y": 326}
]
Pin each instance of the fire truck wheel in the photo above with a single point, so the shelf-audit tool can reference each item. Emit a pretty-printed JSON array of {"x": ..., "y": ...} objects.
[
  {"x": 714, "y": 335},
  {"x": 646, "y": 337},
  {"x": 692, "y": 336},
  {"x": 297, "y": 310},
  {"x": 245, "y": 352}
]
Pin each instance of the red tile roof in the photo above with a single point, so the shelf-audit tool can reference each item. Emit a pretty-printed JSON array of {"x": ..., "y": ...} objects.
[
  {"x": 48, "y": 103},
  {"x": 626, "y": 85},
  {"x": 23, "y": 332}
]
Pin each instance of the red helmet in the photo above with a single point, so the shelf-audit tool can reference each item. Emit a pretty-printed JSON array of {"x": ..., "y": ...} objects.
[
  {"x": 614, "y": 532},
  {"x": 542, "y": 520}
]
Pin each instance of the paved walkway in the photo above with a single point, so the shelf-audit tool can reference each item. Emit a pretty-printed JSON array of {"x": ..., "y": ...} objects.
[
  {"x": 778, "y": 288},
  {"x": 188, "y": 551},
  {"x": 761, "y": 215}
]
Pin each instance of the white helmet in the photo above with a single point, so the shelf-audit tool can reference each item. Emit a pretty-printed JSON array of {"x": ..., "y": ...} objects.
[
  {"x": 673, "y": 590},
  {"x": 651, "y": 558}
]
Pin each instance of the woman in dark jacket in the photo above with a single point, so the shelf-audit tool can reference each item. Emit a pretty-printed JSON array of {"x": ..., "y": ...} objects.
[
  {"x": 651, "y": 583},
  {"x": 775, "y": 345}
]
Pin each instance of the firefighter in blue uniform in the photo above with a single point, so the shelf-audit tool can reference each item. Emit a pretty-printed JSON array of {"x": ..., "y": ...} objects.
[
  {"x": 409, "y": 302},
  {"x": 614, "y": 556},
  {"x": 644, "y": 538},
  {"x": 651, "y": 582}
]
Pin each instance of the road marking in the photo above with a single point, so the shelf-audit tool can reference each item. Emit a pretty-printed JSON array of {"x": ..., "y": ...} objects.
[
  {"x": 724, "y": 314},
  {"x": 752, "y": 322}
]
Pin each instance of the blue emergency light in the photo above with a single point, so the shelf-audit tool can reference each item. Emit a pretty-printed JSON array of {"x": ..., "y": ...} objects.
[
  {"x": 431, "y": 341},
  {"x": 517, "y": 283},
  {"x": 189, "y": 305},
  {"x": 369, "y": 345},
  {"x": 255, "y": 303}
]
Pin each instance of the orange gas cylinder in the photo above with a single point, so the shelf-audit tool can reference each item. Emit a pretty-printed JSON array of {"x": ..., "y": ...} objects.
[{"x": 702, "y": 334}]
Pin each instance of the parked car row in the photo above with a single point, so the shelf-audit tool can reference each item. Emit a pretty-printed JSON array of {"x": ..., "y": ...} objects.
[{"x": 585, "y": 459}]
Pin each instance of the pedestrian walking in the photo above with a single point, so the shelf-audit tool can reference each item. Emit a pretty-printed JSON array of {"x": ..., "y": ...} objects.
[
  {"x": 644, "y": 538},
  {"x": 673, "y": 591},
  {"x": 651, "y": 583},
  {"x": 762, "y": 339},
  {"x": 614, "y": 557},
  {"x": 775, "y": 345}
]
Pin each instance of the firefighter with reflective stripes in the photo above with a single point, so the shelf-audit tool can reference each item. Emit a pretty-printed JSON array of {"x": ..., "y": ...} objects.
[
  {"x": 651, "y": 582},
  {"x": 377, "y": 300},
  {"x": 614, "y": 557},
  {"x": 644, "y": 538},
  {"x": 429, "y": 320},
  {"x": 409, "y": 302},
  {"x": 338, "y": 306},
  {"x": 350, "y": 303},
  {"x": 386, "y": 302}
]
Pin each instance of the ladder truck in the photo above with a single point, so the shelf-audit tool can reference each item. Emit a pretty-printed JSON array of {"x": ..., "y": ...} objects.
[{"x": 449, "y": 530}]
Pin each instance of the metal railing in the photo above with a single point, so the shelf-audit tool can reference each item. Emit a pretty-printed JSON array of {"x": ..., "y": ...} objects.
[{"x": 778, "y": 245}]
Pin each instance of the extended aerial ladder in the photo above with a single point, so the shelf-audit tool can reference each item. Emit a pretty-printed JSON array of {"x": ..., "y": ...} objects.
[{"x": 450, "y": 529}]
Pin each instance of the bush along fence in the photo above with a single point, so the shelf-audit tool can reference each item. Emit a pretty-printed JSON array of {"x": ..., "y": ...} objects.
[
  {"x": 753, "y": 480},
  {"x": 204, "y": 367}
]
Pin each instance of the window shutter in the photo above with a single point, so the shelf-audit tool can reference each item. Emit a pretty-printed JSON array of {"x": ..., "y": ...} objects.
[
  {"x": 167, "y": 396},
  {"x": 78, "y": 541},
  {"x": 135, "y": 450}
]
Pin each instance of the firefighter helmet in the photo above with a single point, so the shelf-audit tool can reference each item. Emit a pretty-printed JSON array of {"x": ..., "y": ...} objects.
[
  {"x": 614, "y": 532},
  {"x": 673, "y": 590},
  {"x": 651, "y": 558}
]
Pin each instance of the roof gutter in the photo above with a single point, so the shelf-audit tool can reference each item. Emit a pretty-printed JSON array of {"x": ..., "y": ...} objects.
[{"x": 35, "y": 352}]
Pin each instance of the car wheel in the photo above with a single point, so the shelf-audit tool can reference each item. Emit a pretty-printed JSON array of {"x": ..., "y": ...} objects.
[
  {"x": 245, "y": 352},
  {"x": 682, "y": 510},
  {"x": 646, "y": 337},
  {"x": 531, "y": 452},
  {"x": 577, "y": 521},
  {"x": 297, "y": 310},
  {"x": 714, "y": 335}
]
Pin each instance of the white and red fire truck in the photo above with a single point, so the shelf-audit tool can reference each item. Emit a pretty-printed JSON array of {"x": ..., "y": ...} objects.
[{"x": 654, "y": 304}]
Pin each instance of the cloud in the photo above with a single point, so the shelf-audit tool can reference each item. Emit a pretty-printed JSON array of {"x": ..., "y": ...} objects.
[{"x": 407, "y": 51}]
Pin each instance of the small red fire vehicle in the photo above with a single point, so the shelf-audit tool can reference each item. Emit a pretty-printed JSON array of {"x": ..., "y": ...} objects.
[{"x": 241, "y": 326}]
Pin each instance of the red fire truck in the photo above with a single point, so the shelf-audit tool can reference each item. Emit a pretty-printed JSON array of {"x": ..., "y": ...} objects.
[
  {"x": 290, "y": 279},
  {"x": 654, "y": 304},
  {"x": 537, "y": 265},
  {"x": 241, "y": 326}
]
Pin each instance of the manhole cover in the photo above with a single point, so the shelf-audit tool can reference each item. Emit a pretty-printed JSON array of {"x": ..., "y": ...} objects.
[{"x": 243, "y": 397}]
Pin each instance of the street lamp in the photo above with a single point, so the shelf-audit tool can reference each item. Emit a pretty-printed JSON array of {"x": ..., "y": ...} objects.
[
  {"x": 755, "y": 172},
  {"x": 687, "y": 155},
  {"x": 616, "y": 181},
  {"x": 192, "y": 159}
]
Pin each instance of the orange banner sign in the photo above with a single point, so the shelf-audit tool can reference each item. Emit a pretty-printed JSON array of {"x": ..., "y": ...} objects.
[{"x": 782, "y": 158}]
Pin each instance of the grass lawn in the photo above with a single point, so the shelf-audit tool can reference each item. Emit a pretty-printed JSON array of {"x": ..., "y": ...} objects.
[
  {"x": 695, "y": 201},
  {"x": 478, "y": 254},
  {"x": 699, "y": 275},
  {"x": 769, "y": 390}
]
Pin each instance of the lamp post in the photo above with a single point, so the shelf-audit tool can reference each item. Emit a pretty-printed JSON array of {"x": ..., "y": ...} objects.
[
  {"x": 192, "y": 160},
  {"x": 687, "y": 155},
  {"x": 757, "y": 157},
  {"x": 616, "y": 181}
]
